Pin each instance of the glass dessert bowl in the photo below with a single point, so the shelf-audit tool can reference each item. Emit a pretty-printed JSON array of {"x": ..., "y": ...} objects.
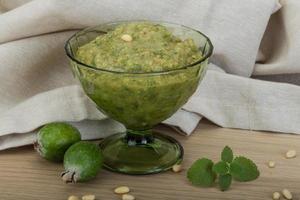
[{"x": 139, "y": 100}]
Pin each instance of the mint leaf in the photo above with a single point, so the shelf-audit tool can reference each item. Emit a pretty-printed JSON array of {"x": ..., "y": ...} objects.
[
  {"x": 227, "y": 154},
  {"x": 201, "y": 174},
  {"x": 225, "y": 181},
  {"x": 243, "y": 169},
  {"x": 221, "y": 168}
]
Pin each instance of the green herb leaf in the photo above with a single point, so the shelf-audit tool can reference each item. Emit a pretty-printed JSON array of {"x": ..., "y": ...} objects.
[
  {"x": 243, "y": 169},
  {"x": 227, "y": 154},
  {"x": 225, "y": 181},
  {"x": 201, "y": 174},
  {"x": 221, "y": 168}
]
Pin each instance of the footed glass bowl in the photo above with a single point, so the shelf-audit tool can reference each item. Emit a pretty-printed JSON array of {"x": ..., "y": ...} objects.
[{"x": 139, "y": 101}]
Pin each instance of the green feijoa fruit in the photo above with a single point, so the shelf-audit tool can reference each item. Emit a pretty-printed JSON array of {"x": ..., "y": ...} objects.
[
  {"x": 82, "y": 162},
  {"x": 54, "y": 139}
]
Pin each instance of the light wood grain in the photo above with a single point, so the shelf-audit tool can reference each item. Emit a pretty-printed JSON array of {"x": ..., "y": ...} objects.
[{"x": 25, "y": 176}]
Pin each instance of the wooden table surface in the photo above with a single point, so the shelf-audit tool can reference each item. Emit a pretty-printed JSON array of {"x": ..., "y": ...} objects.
[{"x": 26, "y": 176}]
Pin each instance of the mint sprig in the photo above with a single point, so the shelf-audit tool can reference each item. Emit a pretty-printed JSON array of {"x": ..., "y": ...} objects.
[
  {"x": 227, "y": 154},
  {"x": 243, "y": 169},
  {"x": 203, "y": 172},
  {"x": 225, "y": 181},
  {"x": 221, "y": 168}
]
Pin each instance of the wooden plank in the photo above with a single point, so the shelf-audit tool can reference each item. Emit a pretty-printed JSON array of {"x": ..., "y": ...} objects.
[{"x": 24, "y": 175}]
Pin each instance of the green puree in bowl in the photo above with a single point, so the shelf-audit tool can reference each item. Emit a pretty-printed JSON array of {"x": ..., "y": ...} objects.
[
  {"x": 150, "y": 48},
  {"x": 137, "y": 98}
]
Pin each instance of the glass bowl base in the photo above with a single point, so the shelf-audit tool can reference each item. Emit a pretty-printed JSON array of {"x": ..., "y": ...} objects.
[{"x": 144, "y": 155}]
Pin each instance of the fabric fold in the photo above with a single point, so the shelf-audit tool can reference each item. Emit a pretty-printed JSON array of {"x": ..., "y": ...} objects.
[
  {"x": 254, "y": 105},
  {"x": 62, "y": 104},
  {"x": 281, "y": 42}
]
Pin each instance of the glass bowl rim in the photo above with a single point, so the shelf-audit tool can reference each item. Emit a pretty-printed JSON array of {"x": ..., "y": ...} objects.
[{"x": 208, "y": 54}]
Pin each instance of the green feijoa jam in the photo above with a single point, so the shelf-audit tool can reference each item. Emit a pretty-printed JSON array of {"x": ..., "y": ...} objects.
[{"x": 142, "y": 77}]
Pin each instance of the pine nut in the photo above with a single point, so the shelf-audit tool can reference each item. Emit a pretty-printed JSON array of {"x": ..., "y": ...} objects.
[
  {"x": 271, "y": 164},
  {"x": 126, "y": 38},
  {"x": 287, "y": 194},
  {"x": 72, "y": 197},
  {"x": 276, "y": 195},
  {"x": 291, "y": 154},
  {"x": 88, "y": 197},
  {"x": 122, "y": 190},
  {"x": 177, "y": 168},
  {"x": 128, "y": 197}
]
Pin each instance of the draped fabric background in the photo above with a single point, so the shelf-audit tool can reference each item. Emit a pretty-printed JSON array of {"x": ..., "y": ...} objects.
[{"x": 37, "y": 87}]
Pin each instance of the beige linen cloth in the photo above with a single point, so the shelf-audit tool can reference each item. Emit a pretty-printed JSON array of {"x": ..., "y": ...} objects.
[{"x": 37, "y": 87}]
